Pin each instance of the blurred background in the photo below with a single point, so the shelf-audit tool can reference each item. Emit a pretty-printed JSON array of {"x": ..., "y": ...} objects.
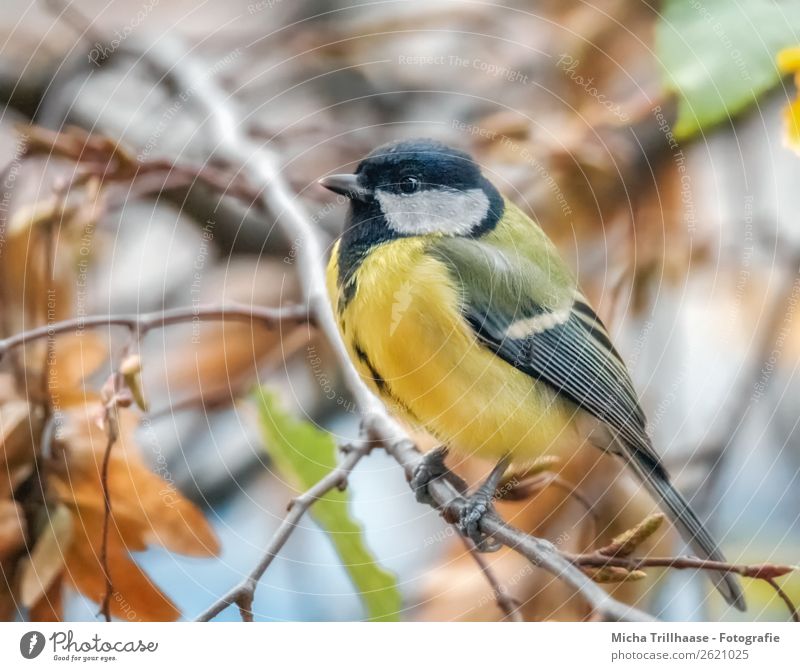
[{"x": 655, "y": 142}]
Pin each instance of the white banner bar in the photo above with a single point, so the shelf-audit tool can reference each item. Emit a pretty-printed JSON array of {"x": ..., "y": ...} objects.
[{"x": 349, "y": 646}]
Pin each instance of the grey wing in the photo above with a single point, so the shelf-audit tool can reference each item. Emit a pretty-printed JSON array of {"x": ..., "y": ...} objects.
[{"x": 572, "y": 354}]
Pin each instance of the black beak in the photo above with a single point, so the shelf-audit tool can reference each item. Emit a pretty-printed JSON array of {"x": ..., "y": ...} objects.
[{"x": 346, "y": 185}]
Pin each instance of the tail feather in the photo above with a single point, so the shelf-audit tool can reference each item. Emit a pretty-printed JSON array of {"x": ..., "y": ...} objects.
[{"x": 655, "y": 478}]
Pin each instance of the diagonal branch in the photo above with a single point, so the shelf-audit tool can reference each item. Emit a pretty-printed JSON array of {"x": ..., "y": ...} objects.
[
  {"x": 242, "y": 595},
  {"x": 540, "y": 552},
  {"x": 261, "y": 167}
]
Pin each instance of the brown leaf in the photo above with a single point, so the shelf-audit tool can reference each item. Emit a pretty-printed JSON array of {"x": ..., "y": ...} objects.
[
  {"x": 213, "y": 359},
  {"x": 135, "y": 596},
  {"x": 74, "y": 358},
  {"x": 16, "y": 444},
  {"x": 145, "y": 508},
  {"x": 46, "y": 562},
  {"x": 12, "y": 529},
  {"x": 50, "y": 608},
  {"x": 537, "y": 466},
  {"x": 8, "y": 602},
  {"x": 129, "y": 531}
]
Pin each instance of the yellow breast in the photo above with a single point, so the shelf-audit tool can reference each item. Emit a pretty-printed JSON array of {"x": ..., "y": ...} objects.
[{"x": 407, "y": 338}]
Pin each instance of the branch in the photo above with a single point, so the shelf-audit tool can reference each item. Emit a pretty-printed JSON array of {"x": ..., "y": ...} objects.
[
  {"x": 112, "y": 430},
  {"x": 765, "y": 572},
  {"x": 540, "y": 552},
  {"x": 99, "y": 157},
  {"x": 505, "y": 602},
  {"x": 242, "y": 595},
  {"x": 261, "y": 167},
  {"x": 141, "y": 324}
]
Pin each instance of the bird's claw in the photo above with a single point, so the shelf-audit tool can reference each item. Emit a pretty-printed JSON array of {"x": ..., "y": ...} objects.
[
  {"x": 480, "y": 504},
  {"x": 476, "y": 506},
  {"x": 430, "y": 468},
  {"x": 474, "y": 510}
]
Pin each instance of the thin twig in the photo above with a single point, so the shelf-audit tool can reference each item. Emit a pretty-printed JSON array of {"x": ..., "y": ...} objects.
[
  {"x": 242, "y": 595},
  {"x": 505, "y": 602},
  {"x": 141, "y": 324},
  {"x": 761, "y": 571},
  {"x": 765, "y": 572},
  {"x": 99, "y": 157},
  {"x": 111, "y": 432},
  {"x": 785, "y": 598}
]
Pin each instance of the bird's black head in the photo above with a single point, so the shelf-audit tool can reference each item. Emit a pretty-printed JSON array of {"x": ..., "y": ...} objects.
[
  {"x": 412, "y": 188},
  {"x": 412, "y": 166},
  {"x": 418, "y": 187}
]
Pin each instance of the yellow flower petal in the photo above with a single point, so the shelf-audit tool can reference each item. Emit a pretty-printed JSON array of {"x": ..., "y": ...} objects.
[
  {"x": 788, "y": 60},
  {"x": 791, "y": 126}
]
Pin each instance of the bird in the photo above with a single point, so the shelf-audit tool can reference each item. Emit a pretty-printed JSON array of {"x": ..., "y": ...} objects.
[{"x": 458, "y": 311}]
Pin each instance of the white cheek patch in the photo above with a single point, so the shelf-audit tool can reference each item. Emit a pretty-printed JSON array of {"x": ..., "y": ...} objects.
[{"x": 434, "y": 211}]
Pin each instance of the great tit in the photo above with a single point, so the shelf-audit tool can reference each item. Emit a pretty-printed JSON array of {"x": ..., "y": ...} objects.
[{"x": 458, "y": 311}]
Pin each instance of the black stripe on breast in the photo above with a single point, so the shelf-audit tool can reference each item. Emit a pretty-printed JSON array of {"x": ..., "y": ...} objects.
[
  {"x": 377, "y": 378},
  {"x": 381, "y": 383}
]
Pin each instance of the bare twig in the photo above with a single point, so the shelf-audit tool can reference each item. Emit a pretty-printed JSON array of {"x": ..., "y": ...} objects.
[
  {"x": 766, "y": 572},
  {"x": 505, "y": 602},
  {"x": 105, "y": 160},
  {"x": 785, "y": 598},
  {"x": 759, "y": 571},
  {"x": 141, "y": 324},
  {"x": 242, "y": 595},
  {"x": 111, "y": 432}
]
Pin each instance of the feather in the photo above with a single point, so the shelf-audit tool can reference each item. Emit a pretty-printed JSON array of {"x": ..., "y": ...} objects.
[{"x": 557, "y": 339}]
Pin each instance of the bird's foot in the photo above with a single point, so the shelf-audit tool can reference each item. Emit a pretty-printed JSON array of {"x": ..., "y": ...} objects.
[
  {"x": 480, "y": 504},
  {"x": 430, "y": 468}
]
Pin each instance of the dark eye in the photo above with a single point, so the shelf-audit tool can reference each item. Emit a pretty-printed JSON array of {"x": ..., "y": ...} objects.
[{"x": 409, "y": 184}]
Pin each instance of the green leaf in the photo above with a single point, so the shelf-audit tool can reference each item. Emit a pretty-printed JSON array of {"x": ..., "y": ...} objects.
[
  {"x": 719, "y": 55},
  {"x": 304, "y": 454}
]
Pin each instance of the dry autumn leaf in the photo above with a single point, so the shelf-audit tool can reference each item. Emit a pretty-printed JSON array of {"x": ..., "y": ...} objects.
[
  {"x": 46, "y": 562},
  {"x": 134, "y": 597},
  {"x": 73, "y": 359},
  {"x": 50, "y": 606},
  {"x": 145, "y": 510},
  {"x": 12, "y": 529},
  {"x": 16, "y": 455}
]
